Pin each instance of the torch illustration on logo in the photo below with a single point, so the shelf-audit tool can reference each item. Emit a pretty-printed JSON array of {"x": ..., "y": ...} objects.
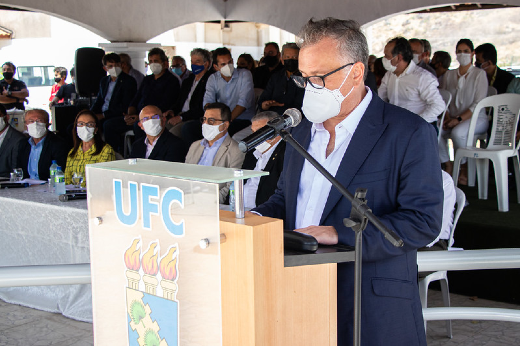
[{"x": 152, "y": 312}]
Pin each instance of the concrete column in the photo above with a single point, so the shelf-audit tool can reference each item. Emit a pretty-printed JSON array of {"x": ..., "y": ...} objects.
[{"x": 136, "y": 50}]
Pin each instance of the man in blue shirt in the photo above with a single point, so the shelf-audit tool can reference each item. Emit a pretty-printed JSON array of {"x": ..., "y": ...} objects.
[{"x": 233, "y": 87}]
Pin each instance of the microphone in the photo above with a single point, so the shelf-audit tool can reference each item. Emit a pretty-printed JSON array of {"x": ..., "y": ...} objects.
[
  {"x": 8, "y": 185},
  {"x": 71, "y": 196},
  {"x": 291, "y": 118}
]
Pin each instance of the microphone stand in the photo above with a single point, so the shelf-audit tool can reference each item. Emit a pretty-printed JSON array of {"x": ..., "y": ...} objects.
[{"x": 360, "y": 214}]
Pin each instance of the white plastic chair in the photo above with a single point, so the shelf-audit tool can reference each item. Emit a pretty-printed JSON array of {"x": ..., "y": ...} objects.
[
  {"x": 442, "y": 275},
  {"x": 446, "y": 96},
  {"x": 472, "y": 166},
  {"x": 501, "y": 146},
  {"x": 128, "y": 143}
]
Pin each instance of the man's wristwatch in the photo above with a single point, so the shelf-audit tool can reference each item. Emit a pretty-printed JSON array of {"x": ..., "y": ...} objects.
[{"x": 459, "y": 119}]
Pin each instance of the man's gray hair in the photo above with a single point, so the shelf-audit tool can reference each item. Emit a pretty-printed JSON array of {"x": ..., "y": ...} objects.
[
  {"x": 203, "y": 53},
  {"x": 290, "y": 45},
  {"x": 269, "y": 115},
  {"x": 126, "y": 59},
  {"x": 352, "y": 43},
  {"x": 38, "y": 110}
]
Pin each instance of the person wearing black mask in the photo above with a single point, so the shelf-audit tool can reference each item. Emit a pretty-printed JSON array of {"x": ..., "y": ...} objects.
[
  {"x": 271, "y": 65},
  {"x": 281, "y": 93},
  {"x": 14, "y": 91}
]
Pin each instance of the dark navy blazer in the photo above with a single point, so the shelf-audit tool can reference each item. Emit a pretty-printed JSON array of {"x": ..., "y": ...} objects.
[{"x": 393, "y": 153}]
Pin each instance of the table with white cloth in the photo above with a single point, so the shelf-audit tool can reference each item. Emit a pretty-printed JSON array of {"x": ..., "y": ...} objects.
[{"x": 37, "y": 229}]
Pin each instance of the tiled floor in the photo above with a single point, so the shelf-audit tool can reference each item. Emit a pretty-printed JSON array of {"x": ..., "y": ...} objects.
[{"x": 21, "y": 326}]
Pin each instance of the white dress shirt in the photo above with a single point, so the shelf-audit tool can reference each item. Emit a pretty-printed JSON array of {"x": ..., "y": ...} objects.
[
  {"x": 149, "y": 146},
  {"x": 416, "y": 90},
  {"x": 251, "y": 186},
  {"x": 314, "y": 188}
]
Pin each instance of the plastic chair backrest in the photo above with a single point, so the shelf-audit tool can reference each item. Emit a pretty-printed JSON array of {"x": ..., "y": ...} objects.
[
  {"x": 460, "y": 202},
  {"x": 492, "y": 91},
  {"x": 505, "y": 110}
]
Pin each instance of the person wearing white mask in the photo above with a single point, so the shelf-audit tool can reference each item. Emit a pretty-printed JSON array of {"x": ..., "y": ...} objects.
[
  {"x": 365, "y": 143},
  {"x": 116, "y": 91},
  {"x": 36, "y": 154},
  {"x": 233, "y": 87},
  {"x": 217, "y": 148},
  {"x": 419, "y": 55},
  {"x": 467, "y": 85},
  {"x": 157, "y": 144},
  {"x": 9, "y": 142},
  {"x": 409, "y": 86},
  {"x": 88, "y": 146},
  {"x": 268, "y": 157}
]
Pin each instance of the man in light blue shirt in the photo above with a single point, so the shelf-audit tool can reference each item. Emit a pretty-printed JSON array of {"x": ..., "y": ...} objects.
[{"x": 233, "y": 87}]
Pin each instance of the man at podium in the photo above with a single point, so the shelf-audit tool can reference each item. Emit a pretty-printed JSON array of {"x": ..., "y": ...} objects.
[{"x": 365, "y": 143}]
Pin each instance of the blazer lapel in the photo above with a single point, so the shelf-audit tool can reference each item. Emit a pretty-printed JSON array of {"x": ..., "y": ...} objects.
[
  {"x": 158, "y": 146},
  {"x": 222, "y": 150},
  {"x": 368, "y": 132}
]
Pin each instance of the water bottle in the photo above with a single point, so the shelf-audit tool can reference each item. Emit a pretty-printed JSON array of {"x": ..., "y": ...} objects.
[
  {"x": 59, "y": 185},
  {"x": 52, "y": 172},
  {"x": 232, "y": 196}
]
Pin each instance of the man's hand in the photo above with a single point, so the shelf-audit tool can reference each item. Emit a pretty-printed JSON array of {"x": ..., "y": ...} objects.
[
  {"x": 130, "y": 119},
  {"x": 325, "y": 235},
  {"x": 271, "y": 103}
]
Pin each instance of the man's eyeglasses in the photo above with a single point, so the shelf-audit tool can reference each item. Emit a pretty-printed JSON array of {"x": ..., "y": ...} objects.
[
  {"x": 89, "y": 125},
  {"x": 155, "y": 116},
  {"x": 317, "y": 82},
  {"x": 31, "y": 121},
  {"x": 210, "y": 121}
]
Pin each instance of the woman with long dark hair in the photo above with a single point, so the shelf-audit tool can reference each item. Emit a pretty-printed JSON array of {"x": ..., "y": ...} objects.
[{"x": 88, "y": 146}]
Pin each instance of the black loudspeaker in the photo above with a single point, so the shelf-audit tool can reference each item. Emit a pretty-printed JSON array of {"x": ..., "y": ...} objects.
[{"x": 89, "y": 70}]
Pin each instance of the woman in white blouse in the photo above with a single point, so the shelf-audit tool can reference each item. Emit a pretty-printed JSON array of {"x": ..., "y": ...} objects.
[{"x": 468, "y": 85}]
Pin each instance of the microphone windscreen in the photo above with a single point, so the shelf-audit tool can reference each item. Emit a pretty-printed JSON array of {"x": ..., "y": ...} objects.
[{"x": 295, "y": 115}]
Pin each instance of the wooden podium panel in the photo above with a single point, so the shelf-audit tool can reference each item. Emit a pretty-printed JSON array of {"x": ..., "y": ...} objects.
[{"x": 265, "y": 303}]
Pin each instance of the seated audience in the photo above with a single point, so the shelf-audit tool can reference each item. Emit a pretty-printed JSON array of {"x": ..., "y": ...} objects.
[
  {"x": 188, "y": 110},
  {"x": 379, "y": 71},
  {"x": 217, "y": 148},
  {"x": 246, "y": 61},
  {"x": 467, "y": 85},
  {"x": 36, "y": 154},
  {"x": 160, "y": 89},
  {"x": 371, "y": 60},
  {"x": 60, "y": 75},
  {"x": 268, "y": 157},
  {"x": 233, "y": 87},
  {"x": 14, "y": 91},
  {"x": 271, "y": 65},
  {"x": 281, "y": 93},
  {"x": 66, "y": 91},
  {"x": 10, "y": 140},
  {"x": 126, "y": 65},
  {"x": 116, "y": 91},
  {"x": 158, "y": 143},
  {"x": 486, "y": 59},
  {"x": 440, "y": 62},
  {"x": 419, "y": 55},
  {"x": 88, "y": 146},
  {"x": 179, "y": 68},
  {"x": 408, "y": 86}
]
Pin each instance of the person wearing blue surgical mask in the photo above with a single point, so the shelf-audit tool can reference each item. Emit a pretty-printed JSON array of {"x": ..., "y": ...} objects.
[{"x": 179, "y": 68}]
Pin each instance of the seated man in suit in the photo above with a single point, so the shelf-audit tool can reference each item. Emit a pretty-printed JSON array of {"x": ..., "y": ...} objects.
[
  {"x": 158, "y": 144},
  {"x": 9, "y": 142},
  {"x": 365, "y": 143},
  {"x": 116, "y": 91},
  {"x": 36, "y": 154},
  {"x": 217, "y": 148},
  {"x": 267, "y": 157}
]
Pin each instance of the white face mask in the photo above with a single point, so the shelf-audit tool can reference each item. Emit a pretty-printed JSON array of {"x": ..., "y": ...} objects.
[
  {"x": 416, "y": 59},
  {"x": 2, "y": 123},
  {"x": 114, "y": 71},
  {"x": 210, "y": 131},
  {"x": 227, "y": 71},
  {"x": 37, "y": 130},
  {"x": 152, "y": 127},
  {"x": 464, "y": 59},
  {"x": 387, "y": 64},
  {"x": 155, "y": 67},
  {"x": 263, "y": 147},
  {"x": 322, "y": 104},
  {"x": 86, "y": 133}
]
